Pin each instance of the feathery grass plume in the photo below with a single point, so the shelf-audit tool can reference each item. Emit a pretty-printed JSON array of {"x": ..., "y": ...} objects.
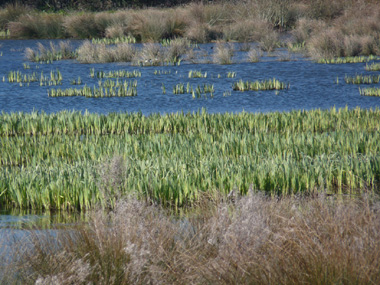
[
  {"x": 37, "y": 25},
  {"x": 253, "y": 239},
  {"x": 223, "y": 53}
]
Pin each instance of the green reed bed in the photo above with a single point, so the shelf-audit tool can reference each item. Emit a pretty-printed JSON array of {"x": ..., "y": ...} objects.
[
  {"x": 362, "y": 79},
  {"x": 370, "y": 91},
  {"x": 268, "y": 84},
  {"x": 108, "y": 88},
  {"x": 348, "y": 59},
  {"x": 114, "y": 41},
  {"x": 372, "y": 67},
  {"x": 57, "y": 160},
  {"x": 114, "y": 74},
  {"x": 19, "y": 77}
]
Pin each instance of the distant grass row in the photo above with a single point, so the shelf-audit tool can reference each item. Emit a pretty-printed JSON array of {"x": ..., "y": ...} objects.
[
  {"x": 324, "y": 29},
  {"x": 73, "y": 160}
]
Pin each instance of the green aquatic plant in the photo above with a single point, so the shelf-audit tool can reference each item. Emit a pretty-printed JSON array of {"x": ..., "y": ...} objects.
[
  {"x": 52, "y": 53},
  {"x": 76, "y": 81},
  {"x": 161, "y": 72},
  {"x": 108, "y": 88},
  {"x": 296, "y": 47},
  {"x": 348, "y": 59},
  {"x": 372, "y": 67},
  {"x": 115, "y": 74},
  {"x": 362, "y": 79},
  {"x": 5, "y": 34},
  {"x": 113, "y": 41},
  {"x": 370, "y": 91},
  {"x": 231, "y": 74},
  {"x": 55, "y": 160},
  {"x": 196, "y": 92},
  {"x": 197, "y": 74},
  {"x": 271, "y": 84}
]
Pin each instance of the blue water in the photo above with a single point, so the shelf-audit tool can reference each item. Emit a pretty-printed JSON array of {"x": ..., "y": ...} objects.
[{"x": 312, "y": 85}]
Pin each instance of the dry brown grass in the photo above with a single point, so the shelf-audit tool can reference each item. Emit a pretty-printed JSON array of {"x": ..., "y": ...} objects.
[
  {"x": 252, "y": 240},
  {"x": 223, "y": 53},
  {"x": 98, "y": 53},
  {"x": 39, "y": 26}
]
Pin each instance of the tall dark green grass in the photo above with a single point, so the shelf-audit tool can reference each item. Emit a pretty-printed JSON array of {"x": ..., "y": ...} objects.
[{"x": 55, "y": 161}]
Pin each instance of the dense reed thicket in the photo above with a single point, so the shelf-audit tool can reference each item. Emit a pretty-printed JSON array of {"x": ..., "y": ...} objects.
[
  {"x": 56, "y": 160},
  {"x": 253, "y": 240},
  {"x": 325, "y": 29}
]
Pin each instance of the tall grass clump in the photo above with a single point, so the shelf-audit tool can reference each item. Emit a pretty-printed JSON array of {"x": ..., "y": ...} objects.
[
  {"x": 83, "y": 26},
  {"x": 372, "y": 67},
  {"x": 11, "y": 12},
  {"x": 259, "y": 85},
  {"x": 223, "y": 53},
  {"x": 154, "y": 24},
  {"x": 249, "y": 240},
  {"x": 254, "y": 55},
  {"x": 54, "y": 52},
  {"x": 38, "y": 25},
  {"x": 370, "y": 91},
  {"x": 98, "y": 53}
]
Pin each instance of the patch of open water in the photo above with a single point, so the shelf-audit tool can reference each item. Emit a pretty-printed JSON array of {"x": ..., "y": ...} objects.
[{"x": 312, "y": 85}]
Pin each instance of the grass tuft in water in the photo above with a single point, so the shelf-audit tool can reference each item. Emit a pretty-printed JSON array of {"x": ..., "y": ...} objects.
[{"x": 271, "y": 84}]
